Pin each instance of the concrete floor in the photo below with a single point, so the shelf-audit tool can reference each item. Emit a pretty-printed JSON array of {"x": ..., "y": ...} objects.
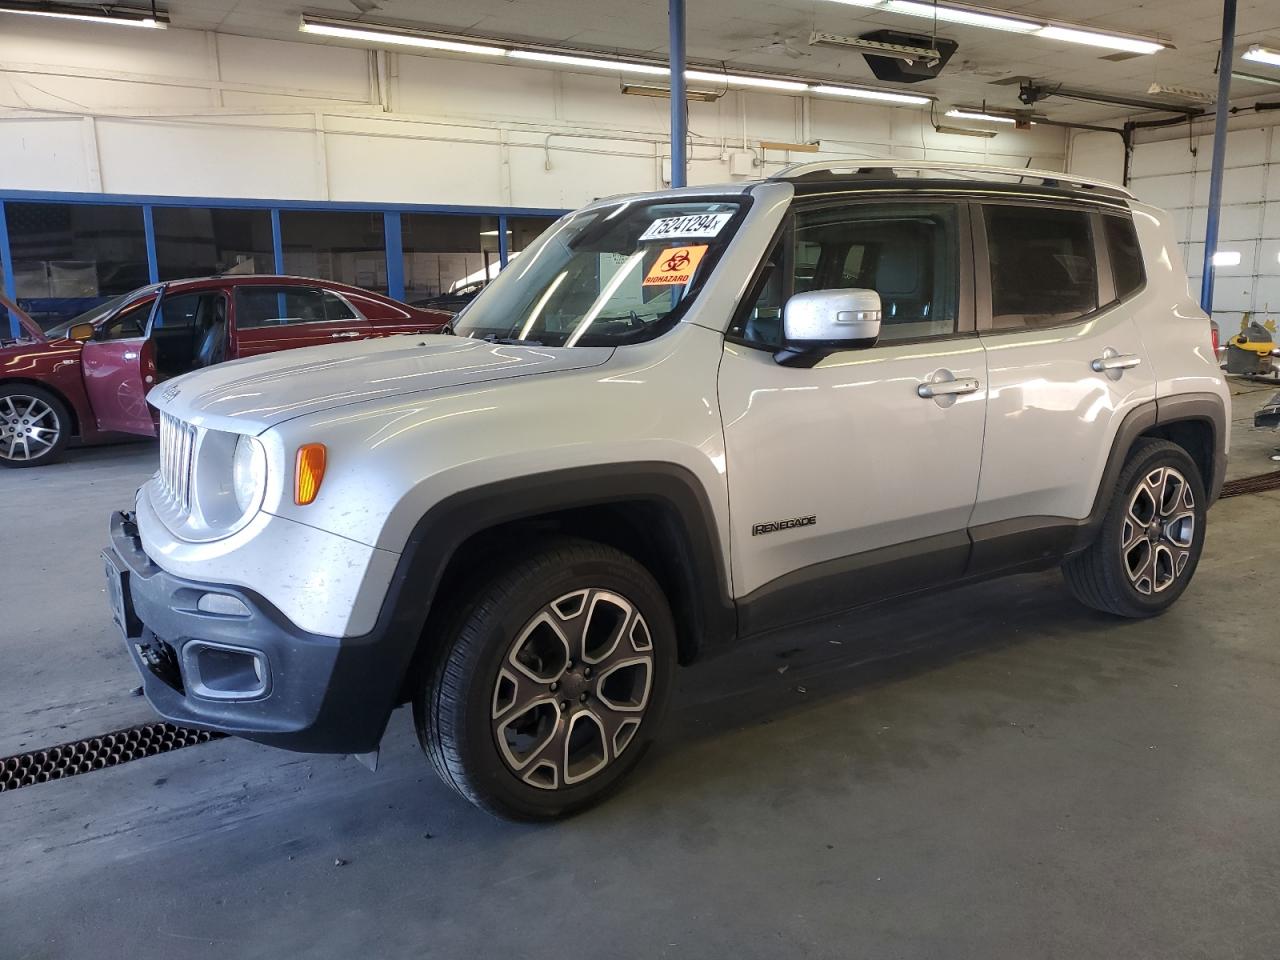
[{"x": 988, "y": 772}]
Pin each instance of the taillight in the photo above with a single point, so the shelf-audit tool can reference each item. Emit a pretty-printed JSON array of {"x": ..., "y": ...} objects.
[{"x": 1213, "y": 334}]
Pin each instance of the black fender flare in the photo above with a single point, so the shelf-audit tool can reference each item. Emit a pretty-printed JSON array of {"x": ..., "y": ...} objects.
[{"x": 433, "y": 543}]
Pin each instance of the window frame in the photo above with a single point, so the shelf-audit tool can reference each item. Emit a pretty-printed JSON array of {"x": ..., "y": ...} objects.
[
  {"x": 966, "y": 325},
  {"x": 1126, "y": 217},
  {"x": 982, "y": 261},
  {"x": 281, "y": 287}
]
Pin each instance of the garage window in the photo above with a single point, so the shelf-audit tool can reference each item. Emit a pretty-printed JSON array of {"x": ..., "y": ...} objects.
[
  {"x": 447, "y": 257},
  {"x": 203, "y": 241},
  {"x": 338, "y": 245},
  {"x": 1043, "y": 271}
]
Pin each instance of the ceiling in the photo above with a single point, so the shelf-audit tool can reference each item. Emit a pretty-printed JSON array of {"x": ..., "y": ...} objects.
[{"x": 772, "y": 35}]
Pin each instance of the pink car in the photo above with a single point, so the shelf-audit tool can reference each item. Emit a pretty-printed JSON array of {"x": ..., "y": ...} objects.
[{"x": 89, "y": 377}]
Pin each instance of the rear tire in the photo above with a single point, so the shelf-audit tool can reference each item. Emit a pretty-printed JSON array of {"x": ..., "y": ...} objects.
[
  {"x": 1151, "y": 538},
  {"x": 553, "y": 682},
  {"x": 35, "y": 426}
]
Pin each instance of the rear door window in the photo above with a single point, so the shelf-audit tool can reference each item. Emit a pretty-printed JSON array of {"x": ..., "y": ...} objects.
[
  {"x": 1043, "y": 266},
  {"x": 266, "y": 306},
  {"x": 1126, "y": 255}
]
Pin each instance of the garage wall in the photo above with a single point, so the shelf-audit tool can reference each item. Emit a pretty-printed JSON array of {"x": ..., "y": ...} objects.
[
  {"x": 1174, "y": 174},
  {"x": 187, "y": 113}
]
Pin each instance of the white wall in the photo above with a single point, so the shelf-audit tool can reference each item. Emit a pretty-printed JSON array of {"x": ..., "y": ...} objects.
[{"x": 187, "y": 113}]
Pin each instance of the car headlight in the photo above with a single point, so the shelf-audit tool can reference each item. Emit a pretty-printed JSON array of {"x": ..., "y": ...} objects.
[{"x": 249, "y": 473}]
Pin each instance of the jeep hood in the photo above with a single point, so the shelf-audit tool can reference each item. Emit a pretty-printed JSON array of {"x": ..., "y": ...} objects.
[{"x": 250, "y": 395}]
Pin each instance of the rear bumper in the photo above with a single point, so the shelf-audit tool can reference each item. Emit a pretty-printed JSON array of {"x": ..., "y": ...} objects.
[{"x": 252, "y": 674}]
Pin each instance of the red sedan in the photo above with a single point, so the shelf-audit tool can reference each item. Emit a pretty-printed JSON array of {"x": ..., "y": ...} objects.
[{"x": 89, "y": 377}]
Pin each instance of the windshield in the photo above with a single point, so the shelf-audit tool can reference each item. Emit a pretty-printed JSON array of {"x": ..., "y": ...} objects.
[
  {"x": 96, "y": 314},
  {"x": 606, "y": 276}
]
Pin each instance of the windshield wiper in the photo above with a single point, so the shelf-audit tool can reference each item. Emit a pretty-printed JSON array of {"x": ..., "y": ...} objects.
[{"x": 506, "y": 341}]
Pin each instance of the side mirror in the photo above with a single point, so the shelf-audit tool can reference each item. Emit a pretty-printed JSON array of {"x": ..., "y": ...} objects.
[
  {"x": 81, "y": 332},
  {"x": 817, "y": 323}
]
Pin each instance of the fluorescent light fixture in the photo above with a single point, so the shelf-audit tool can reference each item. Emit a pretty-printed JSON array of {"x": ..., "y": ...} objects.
[
  {"x": 1255, "y": 78},
  {"x": 492, "y": 233},
  {"x": 961, "y": 15},
  {"x": 962, "y": 131},
  {"x": 382, "y": 35},
  {"x": 899, "y": 51},
  {"x": 118, "y": 16},
  {"x": 737, "y": 80},
  {"x": 1182, "y": 93},
  {"x": 664, "y": 93},
  {"x": 1110, "y": 41},
  {"x": 962, "y": 114},
  {"x": 1226, "y": 258},
  {"x": 588, "y": 63},
  {"x": 1260, "y": 54},
  {"x": 863, "y": 94}
]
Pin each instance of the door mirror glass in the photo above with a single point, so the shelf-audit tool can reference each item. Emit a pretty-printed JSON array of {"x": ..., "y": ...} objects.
[
  {"x": 818, "y": 322},
  {"x": 81, "y": 332}
]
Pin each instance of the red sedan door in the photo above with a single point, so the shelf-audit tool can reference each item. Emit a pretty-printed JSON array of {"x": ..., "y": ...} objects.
[
  {"x": 271, "y": 317},
  {"x": 119, "y": 368}
]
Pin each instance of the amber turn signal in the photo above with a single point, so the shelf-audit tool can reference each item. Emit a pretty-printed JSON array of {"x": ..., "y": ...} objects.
[{"x": 309, "y": 474}]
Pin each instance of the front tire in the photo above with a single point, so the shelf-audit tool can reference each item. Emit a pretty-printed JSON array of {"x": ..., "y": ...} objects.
[
  {"x": 1151, "y": 538},
  {"x": 34, "y": 426},
  {"x": 553, "y": 684}
]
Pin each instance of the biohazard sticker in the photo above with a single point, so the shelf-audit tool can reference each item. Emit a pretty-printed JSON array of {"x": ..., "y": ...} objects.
[
  {"x": 675, "y": 265},
  {"x": 693, "y": 225}
]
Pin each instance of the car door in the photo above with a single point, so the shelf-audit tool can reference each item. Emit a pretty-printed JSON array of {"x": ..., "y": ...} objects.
[
  {"x": 847, "y": 481},
  {"x": 118, "y": 366},
  {"x": 1066, "y": 363},
  {"x": 271, "y": 317}
]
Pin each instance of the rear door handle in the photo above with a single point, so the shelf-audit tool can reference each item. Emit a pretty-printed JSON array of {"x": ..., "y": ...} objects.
[
  {"x": 947, "y": 388},
  {"x": 338, "y": 336},
  {"x": 1110, "y": 362}
]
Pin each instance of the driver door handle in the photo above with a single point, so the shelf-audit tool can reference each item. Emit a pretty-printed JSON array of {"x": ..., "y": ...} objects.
[
  {"x": 947, "y": 388},
  {"x": 1119, "y": 361}
]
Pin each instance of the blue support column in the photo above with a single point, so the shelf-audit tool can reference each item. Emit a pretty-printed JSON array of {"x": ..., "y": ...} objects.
[
  {"x": 679, "y": 104},
  {"x": 504, "y": 243},
  {"x": 395, "y": 255},
  {"x": 277, "y": 242},
  {"x": 6, "y": 271},
  {"x": 149, "y": 235},
  {"x": 1225, "y": 60}
]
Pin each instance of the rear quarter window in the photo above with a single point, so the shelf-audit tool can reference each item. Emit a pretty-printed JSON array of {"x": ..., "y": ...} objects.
[{"x": 1126, "y": 255}]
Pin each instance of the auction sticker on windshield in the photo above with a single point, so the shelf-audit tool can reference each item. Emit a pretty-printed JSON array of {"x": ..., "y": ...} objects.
[
  {"x": 693, "y": 225},
  {"x": 675, "y": 265}
]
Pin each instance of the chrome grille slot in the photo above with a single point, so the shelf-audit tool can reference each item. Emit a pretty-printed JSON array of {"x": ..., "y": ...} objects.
[{"x": 177, "y": 447}]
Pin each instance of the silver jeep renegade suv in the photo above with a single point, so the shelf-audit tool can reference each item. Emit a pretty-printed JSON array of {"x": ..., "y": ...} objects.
[{"x": 676, "y": 421}]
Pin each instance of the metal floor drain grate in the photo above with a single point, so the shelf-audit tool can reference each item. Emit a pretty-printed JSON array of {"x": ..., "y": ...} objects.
[
  {"x": 97, "y": 753},
  {"x": 1258, "y": 484}
]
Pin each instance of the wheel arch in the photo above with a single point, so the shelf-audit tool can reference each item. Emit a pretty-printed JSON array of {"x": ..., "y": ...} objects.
[{"x": 656, "y": 512}]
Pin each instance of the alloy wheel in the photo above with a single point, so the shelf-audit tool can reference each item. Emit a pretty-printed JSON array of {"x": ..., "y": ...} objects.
[
  {"x": 29, "y": 427},
  {"x": 1158, "y": 531},
  {"x": 572, "y": 689}
]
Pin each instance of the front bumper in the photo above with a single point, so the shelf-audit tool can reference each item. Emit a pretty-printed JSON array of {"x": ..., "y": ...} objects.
[{"x": 251, "y": 673}]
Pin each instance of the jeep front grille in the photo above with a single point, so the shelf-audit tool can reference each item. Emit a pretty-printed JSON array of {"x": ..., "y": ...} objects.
[{"x": 177, "y": 449}]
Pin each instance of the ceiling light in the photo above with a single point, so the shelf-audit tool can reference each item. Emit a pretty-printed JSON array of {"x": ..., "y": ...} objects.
[
  {"x": 1255, "y": 78},
  {"x": 736, "y": 80},
  {"x": 899, "y": 51},
  {"x": 1260, "y": 54},
  {"x": 962, "y": 114},
  {"x": 1110, "y": 41},
  {"x": 961, "y": 15},
  {"x": 589, "y": 63},
  {"x": 664, "y": 93},
  {"x": 1182, "y": 93},
  {"x": 329, "y": 28},
  {"x": 1226, "y": 258},
  {"x": 118, "y": 16},
  {"x": 864, "y": 94},
  {"x": 962, "y": 131}
]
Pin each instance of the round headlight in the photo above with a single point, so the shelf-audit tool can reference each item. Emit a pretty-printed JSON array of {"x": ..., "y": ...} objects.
[{"x": 249, "y": 473}]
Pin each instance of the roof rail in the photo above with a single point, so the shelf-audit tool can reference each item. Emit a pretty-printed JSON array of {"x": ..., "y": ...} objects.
[{"x": 854, "y": 167}]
